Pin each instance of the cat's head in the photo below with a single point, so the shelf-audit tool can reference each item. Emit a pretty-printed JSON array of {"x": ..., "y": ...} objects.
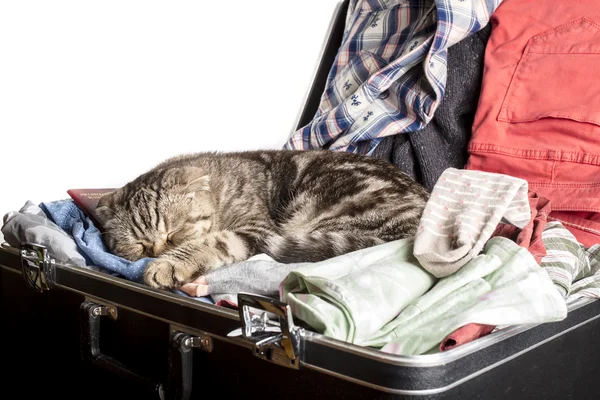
[{"x": 156, "y": 212}]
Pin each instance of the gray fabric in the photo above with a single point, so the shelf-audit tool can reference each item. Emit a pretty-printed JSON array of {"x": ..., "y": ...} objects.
[
  {"x": 30, "y": 224},
  {"x": 259, "y": 275},
  {"x": 442, "y": 144}
]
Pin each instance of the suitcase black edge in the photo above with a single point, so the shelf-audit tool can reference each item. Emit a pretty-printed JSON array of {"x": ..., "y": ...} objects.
[
  {"x": 416, "y": 375},
  {"x": 329, "y": 49}
]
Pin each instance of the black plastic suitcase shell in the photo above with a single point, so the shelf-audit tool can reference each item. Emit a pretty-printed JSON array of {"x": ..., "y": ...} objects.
[
  {"x": 41, "y": 346},
  {"x": 45, "y": 341}
]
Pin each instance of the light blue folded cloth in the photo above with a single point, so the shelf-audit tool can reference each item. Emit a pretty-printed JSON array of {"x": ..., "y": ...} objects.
[
  {"x": 71, "y": 238},
  {"x": 72, "y": 220}
]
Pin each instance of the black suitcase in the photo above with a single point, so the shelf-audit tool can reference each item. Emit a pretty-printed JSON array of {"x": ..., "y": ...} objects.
[{"x": 77, "y": 333}]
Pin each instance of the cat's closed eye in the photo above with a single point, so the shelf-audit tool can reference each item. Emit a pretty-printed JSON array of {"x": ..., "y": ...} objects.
[
  {"x": 139, "y": 248},
  {"x": 171, "y": 237},
  {"x": 179, "y": 236}
]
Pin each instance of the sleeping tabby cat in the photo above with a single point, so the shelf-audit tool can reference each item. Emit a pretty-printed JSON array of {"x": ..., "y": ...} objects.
[{"x": 201, "y": 211}]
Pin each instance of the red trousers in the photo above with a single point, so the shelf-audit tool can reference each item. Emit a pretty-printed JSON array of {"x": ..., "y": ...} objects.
[{"x": 538, "y": 116}]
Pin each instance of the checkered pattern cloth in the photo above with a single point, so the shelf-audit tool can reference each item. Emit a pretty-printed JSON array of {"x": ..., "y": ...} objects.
[{"x": 389, "y": 75}]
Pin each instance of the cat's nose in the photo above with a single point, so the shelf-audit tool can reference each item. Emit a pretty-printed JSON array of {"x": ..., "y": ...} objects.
[{"x": 157, "y": 248}]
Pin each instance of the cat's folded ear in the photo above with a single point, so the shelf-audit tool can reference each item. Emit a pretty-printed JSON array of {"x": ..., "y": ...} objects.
[
  {"x": 106, "y": 203},
  {"x": 187, "y": 180}
]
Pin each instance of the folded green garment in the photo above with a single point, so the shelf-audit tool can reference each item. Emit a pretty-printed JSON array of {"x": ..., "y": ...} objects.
[
  {"x": 390, "y": 302},
  {"x": 351, "y": 297}
]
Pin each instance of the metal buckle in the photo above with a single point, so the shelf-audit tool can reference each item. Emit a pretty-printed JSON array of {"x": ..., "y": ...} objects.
[
  {"x": 37, "y": 267},
  {"x": 278, "y": 341},
  {"x": 192, "y": 339}
]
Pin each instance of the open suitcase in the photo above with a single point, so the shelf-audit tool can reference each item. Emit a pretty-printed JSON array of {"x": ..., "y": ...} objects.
[{"x": 77, "y": 333}]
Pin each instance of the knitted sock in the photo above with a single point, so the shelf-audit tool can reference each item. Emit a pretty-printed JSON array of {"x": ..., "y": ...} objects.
[
  {"x": 259, "y": 274},
  {"x": 463, "y": 211}
]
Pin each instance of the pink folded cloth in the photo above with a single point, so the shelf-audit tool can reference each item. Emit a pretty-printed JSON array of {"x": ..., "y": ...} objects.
[
  {"x": 465, "y": 334},
  {"x": 530, "y": 236},
  {"x": 197, "y": 288}
]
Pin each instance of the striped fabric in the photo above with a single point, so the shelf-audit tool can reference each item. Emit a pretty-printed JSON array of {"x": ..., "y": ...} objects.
[
  {"x": 389, "y": 75},
  {"x": 574, "y": 269},
  {"x": 504, "y": 286},
  {"x": 463, "y": 211}
]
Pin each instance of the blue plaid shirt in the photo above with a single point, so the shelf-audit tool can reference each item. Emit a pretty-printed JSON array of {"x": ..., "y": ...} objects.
[{"x": 390, "y": 72}]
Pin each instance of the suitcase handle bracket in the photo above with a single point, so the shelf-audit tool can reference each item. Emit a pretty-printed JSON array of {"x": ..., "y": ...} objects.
[
  {"x": 276, "y": 340},
  {"x": 179, "y": 382}
]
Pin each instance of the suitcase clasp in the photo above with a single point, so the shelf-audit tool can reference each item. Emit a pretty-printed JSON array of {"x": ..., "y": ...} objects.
[
  {"x": 276, "y": 340},
  {"x": 37, "y": 267}
]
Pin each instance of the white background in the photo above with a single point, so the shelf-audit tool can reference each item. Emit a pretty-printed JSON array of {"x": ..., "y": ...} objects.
[{"x": 94, "y": 93}]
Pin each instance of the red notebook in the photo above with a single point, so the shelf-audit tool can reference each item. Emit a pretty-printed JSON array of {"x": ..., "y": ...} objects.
[{"x": 87, "y": 200}]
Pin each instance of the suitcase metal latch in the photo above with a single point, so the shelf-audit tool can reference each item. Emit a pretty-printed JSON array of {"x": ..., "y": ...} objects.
[
  {"x": 276, "y": 340},
  {"x": 37, "y": 267}
]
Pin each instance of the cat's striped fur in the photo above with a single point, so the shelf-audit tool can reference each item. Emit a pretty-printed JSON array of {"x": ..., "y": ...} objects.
[{"x": 201, "y": 211}]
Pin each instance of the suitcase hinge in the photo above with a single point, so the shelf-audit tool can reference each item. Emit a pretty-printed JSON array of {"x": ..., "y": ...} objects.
[
  {"x": 276, "y": 340},
  {"x": 37, "y": 267}
]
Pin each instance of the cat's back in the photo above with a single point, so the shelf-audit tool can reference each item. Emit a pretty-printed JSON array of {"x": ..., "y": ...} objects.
[
  {"x": 324, "y": 194},
  {"x": 327, "y": 170},
  {"x": 295, "y": 167},
  {"x": 276, "y": 164}
]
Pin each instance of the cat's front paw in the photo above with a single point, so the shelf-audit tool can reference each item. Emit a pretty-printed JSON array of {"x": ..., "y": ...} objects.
[{"x": 166, "y": 273}]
